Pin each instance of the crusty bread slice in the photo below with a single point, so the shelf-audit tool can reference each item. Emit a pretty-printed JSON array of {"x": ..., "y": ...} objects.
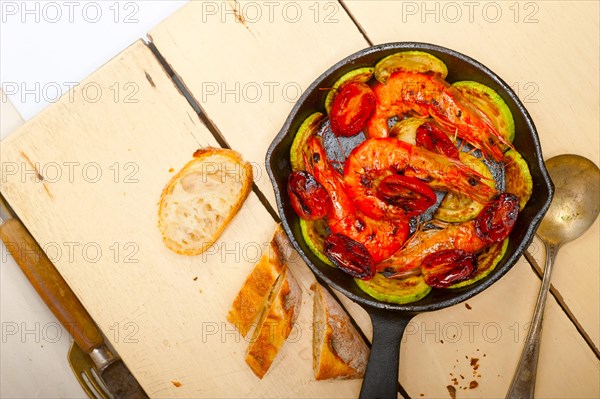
[
  {"x": 202, "y": 198},
  {"x": 339, "y": 352},
  {"x": 275, "y": 323},
  {"x": 252, "y": 298}
]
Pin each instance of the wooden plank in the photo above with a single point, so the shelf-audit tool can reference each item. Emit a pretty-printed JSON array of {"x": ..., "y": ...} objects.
[
  {"x": 277, "y": 50},
  {"x": 576, "y": 279},
  {"x": 273, "y": 52},
  {"x": 494, "y": 324},
  {"x": 164, "y": 313},
  {"x": 270, "y": 51},
  {"x": 549, "y": 53}
]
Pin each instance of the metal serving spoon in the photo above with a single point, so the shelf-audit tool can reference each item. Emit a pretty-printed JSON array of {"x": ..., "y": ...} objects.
[{"x": 573, "y": 210}]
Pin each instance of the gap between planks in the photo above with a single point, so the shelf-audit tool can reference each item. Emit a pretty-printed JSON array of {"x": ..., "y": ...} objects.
[
  {"x": 561, "y": 302},
  {"x": 355, "y": 22},
  {"x": 216, "y": 132}
]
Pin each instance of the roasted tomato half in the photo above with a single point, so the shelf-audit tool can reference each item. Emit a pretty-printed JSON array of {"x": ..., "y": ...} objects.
[
  {"x": 408, "y": 193},
  {"x": 431, "y": 137},
  {"x": 350, "y": 256},
  {"x": 495, "y": 222},
  {"x": 447, "y": 267},
  {"x": 352, "y": 107},
  {"x": 308, "y": 197}
]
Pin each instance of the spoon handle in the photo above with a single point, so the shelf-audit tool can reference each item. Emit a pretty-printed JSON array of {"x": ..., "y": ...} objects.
[{"x": 523, "y": 382}]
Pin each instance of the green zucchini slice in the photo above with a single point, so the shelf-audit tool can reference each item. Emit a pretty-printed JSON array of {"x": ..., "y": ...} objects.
[
  {"x": 309, "y": 127},
  {"x": 314, "y": 233},
  {"x": 410, "y": 61},
  {"x": 518, "y": 178},
  {"x": 491, "y": 104},
  {"x": 357, "y": 75},
  {"x": 399, "y": 291},
  {"x": 456, "y": 207},
  {"x": 406, "y": 129}
]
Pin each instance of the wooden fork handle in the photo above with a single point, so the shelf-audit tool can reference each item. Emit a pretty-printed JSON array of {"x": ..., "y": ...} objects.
[{"x": 50, "y": 285}]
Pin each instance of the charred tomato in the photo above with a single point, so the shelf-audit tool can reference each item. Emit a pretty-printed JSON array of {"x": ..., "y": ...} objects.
[
  {"x": 495, "y": 222},
  {"x": 308, "y": 197},
  {"x": 431, "y": 137},
  {"x": 447, "y": 267},
  {"x": 350, "y": 256},
  {"x": 408, "y": 193},
  {"x": 352, "y": 107}
]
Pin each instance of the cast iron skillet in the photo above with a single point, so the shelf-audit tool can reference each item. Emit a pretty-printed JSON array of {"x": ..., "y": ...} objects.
[{"x": 389, "y": 320}]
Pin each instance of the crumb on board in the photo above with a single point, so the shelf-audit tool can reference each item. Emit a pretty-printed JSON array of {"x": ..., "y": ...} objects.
[
  {"x": 451, "y": 391},
  {"x": 171, "y": 170},
  {"x": 196, "y": 278},
  {"x": 468, "y": 306},
  {"x": 176, "y": 384},
  {"x": 456, "y": 382}
]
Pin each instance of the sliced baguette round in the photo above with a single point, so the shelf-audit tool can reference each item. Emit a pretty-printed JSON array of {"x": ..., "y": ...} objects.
[
  {"x": 339, "y": 351},
  {"x": 202, "y": 198}
]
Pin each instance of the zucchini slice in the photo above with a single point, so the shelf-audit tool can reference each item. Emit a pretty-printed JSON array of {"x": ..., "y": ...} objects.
[
  {"x": 309, "y": 127},
  {"x": 491, "y": 104},
  {"x": 357, "y": 75},
  {"x": 399, "y": 291},
  {"x": 314, "y": 233},
  {"x": 406, "y": 129},
  {"x": 486, "y": 262},
  {"x": 518, "y": 178},
  {"x": 456, "y": 207},
  {"x": 411, "y": 61}
]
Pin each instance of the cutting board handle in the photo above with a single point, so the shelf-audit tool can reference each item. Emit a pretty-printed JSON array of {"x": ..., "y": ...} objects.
[{"x": 50, "y": 285}]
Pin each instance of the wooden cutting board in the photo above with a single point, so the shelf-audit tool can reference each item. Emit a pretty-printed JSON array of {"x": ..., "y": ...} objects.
[{"x": 87, "y": 174}]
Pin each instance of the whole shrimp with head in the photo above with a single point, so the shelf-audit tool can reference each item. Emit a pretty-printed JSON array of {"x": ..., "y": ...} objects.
[
  {"x": 380, "y": 237},
  {"x": 374, "y": 162},
  {"x": 493, "y": 224},
  {"x": 427, "y": 94}
]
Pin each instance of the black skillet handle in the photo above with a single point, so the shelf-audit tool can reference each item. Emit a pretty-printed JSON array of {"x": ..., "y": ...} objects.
[{"x": 381, "y": 377}]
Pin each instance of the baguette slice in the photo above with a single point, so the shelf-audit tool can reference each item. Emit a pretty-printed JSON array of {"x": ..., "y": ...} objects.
[
  {"x": 202, "y": 198},
  {"x": 275, "y": 324},
  {"x": 252, "y": 298},
  {"x": 339, "y": 352}
]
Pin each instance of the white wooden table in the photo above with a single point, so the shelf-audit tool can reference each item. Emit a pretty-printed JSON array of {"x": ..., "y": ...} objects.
[{"x": 244, "y": 64}]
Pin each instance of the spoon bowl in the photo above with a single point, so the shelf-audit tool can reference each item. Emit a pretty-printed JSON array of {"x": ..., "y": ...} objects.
[
  {"x": 573, "y": 210},
  {"x": 576, "y": 199}
]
